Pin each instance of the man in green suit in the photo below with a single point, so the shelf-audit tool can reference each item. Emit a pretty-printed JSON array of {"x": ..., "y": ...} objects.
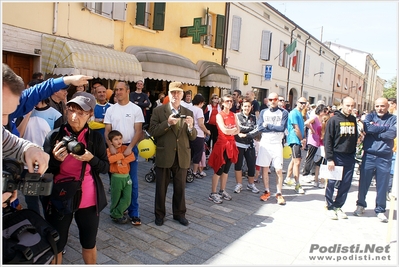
[{"x": 172, "y": 126}]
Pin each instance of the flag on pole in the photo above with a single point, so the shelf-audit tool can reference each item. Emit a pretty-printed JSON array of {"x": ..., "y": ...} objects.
[{"x": 291, "y": 48}]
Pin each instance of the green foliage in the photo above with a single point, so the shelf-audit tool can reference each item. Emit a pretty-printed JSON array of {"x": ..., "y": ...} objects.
[{"x": 390, "y": 89}]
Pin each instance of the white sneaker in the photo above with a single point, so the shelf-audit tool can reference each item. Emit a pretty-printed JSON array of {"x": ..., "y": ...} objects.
[
  {"x": 341, "y": 214},
  {"x": 224, "y": 195},
  {"x": 289, "y": 181},
  {"x": 332, "y": 214},
  {"x": 381, "y": 216},
  {"x": 299, "y": 189},
  {"x": 203, "y": 174},
  {"x": 253, "y": 188},
  {"x": 307, "y": 178},
  {"x": 238, "y": 188},
  {"x": 359, "y": 211}
]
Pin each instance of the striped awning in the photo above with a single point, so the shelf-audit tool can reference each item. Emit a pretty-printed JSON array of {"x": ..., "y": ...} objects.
[
  {"x": 159, "y": 64},
  {"x": 213, "y": 74},
  {"x": 62, "y": 56}
]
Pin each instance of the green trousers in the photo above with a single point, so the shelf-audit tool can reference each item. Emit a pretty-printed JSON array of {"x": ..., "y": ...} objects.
[{"x": 121, "y": 194}]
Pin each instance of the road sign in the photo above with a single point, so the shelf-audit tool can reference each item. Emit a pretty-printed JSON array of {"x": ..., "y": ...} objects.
[{"x": 268, "y": 72}]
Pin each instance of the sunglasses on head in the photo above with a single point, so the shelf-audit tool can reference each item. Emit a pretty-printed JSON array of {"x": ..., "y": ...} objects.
[{"x": 273, "y": 99}]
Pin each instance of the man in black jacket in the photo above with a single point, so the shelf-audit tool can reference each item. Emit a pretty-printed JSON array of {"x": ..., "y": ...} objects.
[{"x": 340, "y": 140}]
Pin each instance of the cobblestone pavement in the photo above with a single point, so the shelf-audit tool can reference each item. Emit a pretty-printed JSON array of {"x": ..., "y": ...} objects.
[{"x": 244, "y": 231}]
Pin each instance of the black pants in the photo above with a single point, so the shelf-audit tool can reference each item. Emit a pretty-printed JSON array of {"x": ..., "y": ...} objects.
[
  {"x": 162, "y": 179},
  {"x": 309, "y": 163},
  {"x": 214, "y": 134},
  {"x": 249, "y": 155}
]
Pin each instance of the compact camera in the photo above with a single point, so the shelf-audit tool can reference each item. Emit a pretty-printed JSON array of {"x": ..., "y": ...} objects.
[
  {"x": 32, "y": 185},
  {"x": 178, "y": 115},
  {"x": 73, "y": 146}
]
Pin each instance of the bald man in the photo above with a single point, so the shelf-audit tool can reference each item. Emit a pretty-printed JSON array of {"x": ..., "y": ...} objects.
[
  {"x": 380, "y": 128},
  {"x": 340, "y": 140},
  {"x": 296, "y": 139}
]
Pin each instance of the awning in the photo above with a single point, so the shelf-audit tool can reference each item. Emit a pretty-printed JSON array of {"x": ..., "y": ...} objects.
[
  {"x": 62, "y": 56},
  {"x": 213, "y": 74},
  {"x": 160, "y": 64}
]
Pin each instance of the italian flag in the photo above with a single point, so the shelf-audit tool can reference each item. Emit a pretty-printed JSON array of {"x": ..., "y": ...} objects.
[{"x": 291, "y": 48}]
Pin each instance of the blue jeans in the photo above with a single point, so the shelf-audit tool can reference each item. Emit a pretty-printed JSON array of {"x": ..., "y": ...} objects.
[
  {"x": 348, "y": 162},
  {"x": 380, "y": 167},
  {"x": 133, "y": 209}
]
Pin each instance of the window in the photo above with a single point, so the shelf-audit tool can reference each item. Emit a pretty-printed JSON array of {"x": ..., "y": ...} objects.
[
  {"x": 266, "y": 45},
  {"x": 235, "y": 33},
  {"x": 151, "y": 12},
  {"x": 296, "y": 61},
  {"x": 345, "y": 85},
  {"x": 215, "y": 35},
  {"x": 339, "y": 80},
  {"x": 235, "y": 81},
  {"x": 112, "y": 10},
  {"x": 307, "y": 64},
  {"x": 283, "y": 58}
]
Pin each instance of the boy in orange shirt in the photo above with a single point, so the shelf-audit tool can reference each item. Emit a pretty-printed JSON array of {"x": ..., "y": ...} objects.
[{"x": 121, "y": 184}]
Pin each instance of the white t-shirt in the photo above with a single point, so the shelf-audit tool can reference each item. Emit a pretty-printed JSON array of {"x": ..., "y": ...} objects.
[
  {"x": 198, "y": 113},
  {"x": 123, "y": 118}
]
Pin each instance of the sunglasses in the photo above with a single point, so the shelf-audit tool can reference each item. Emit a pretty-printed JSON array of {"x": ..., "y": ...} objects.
[
  {"x": 302, "y": 103},
  {"x": 273, "y": 99},
  {"x": 231, "y": 101},
  {"x": 281, "y": 100}
]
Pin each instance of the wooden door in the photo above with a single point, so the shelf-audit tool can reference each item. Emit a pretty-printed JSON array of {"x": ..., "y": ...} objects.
[{"x": 21, "y": 64}]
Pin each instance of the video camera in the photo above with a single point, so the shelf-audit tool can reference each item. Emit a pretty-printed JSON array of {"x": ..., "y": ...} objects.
[
  {"x": 32, "y": 185},
  {"x": 178, "y": 115}
]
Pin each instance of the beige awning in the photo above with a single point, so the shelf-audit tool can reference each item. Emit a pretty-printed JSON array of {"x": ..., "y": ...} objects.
[
  {"x": 62, "y": 56},
  {"x": 213, "y": 74},
  {"x": 160, "y": 64}
]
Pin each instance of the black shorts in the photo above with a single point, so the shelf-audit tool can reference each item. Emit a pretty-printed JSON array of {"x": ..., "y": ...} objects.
[
  {"x": 197, "y": 148},
  {"x": 296, "y": 151}
]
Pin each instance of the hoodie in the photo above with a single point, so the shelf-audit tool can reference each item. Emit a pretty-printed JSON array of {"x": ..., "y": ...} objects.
[
  {"x": 340, "y": 135},
  {"x": 380, "y": 134}
]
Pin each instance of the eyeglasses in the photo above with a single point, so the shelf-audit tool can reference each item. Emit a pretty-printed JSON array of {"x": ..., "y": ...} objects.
[
  {"x": 281, "y": 100},
  {"x": 215, "y": 98},
  {"x": 77, "y": 112},
  {"x": 273, "y": 99},
  {"x": 229, "y": 101},
  {"x": 302, "y": 103}
]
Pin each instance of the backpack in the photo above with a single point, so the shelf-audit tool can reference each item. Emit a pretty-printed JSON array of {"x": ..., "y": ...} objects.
[{"x": 28, "y": 238}]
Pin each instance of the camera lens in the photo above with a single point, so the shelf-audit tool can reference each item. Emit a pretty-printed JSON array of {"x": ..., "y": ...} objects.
[{"x": 76, "y": 147}]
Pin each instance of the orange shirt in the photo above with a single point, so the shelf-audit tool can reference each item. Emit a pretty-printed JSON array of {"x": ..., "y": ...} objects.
[{"x": 118, "y": 163}]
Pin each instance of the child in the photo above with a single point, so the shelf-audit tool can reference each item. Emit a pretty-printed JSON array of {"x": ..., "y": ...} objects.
[{"x": 121, "y": 184}]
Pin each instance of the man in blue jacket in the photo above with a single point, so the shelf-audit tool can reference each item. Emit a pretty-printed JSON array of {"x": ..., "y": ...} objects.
[{"x": 380, "y": 128}]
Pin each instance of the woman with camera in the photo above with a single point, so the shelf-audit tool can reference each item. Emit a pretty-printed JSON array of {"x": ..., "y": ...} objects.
[{"x": 78, "y": 154}]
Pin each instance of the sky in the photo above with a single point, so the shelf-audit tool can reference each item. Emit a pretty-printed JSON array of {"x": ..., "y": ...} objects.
[{"x": 369, "y": 26}]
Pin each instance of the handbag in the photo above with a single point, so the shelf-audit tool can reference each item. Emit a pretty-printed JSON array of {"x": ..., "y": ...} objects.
[{"x": 66, "y": 195}]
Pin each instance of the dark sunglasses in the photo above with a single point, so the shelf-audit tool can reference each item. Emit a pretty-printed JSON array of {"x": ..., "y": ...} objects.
[
  {"x": 273, "y": 99},
  {"x": 281, "y": 100},
  {"x": 302, "y": 103}
]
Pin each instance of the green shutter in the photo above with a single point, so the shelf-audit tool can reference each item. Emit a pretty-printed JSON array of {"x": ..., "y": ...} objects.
[
  {"x": 159, "y": 17},
  {"x": 219, "y": 31},
  {"x": 140, "y": 13}
]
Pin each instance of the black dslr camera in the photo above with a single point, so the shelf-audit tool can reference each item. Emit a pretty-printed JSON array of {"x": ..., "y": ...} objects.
[
  {"x": 73, "y": 146},
  {"x": 178, "y": 115},
  {"x": 32, "y": 185}
]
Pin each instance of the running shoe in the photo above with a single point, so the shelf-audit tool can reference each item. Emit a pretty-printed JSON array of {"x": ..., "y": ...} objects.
[{"x": 265, "y": 196}]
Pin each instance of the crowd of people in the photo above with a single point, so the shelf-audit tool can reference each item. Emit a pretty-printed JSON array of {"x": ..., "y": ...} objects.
[{"x": 232, "y": 129}]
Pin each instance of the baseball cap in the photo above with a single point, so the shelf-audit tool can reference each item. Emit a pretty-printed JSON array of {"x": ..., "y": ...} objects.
[
  {"x": 85, "y": 100},
  {"x": 175, "y": 86}
]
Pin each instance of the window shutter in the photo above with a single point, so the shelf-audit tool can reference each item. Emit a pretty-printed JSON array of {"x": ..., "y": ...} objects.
[
  {"x": 307, "y": 64},
  {"x": 281, "y": 55},
  {"x": 265, "y": 46},
  {"x": 235, "y": 33},
  {"x": 119, "y": 11},
  {"x": 298, "y": 61},
  {"x": 140, "y": 13},
  {"x": 159, "y": 17},
  {"x": 106, "y": 9},
  {"x": 219, "y": 31}
]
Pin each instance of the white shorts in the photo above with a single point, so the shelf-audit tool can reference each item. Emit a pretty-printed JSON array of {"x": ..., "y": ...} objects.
[{"x": 269, "y": 153}]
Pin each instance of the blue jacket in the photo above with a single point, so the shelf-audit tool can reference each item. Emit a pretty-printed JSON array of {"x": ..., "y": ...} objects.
[
  {"x": 33, "y": 95},
  {"x": 380, "y": 133}
]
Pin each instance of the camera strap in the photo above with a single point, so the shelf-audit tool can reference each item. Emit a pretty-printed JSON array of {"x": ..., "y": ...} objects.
[{"x": 82, "y": 173}]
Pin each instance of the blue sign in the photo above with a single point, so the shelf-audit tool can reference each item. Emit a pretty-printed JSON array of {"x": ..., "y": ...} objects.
[{"x": 268, "y": 72}]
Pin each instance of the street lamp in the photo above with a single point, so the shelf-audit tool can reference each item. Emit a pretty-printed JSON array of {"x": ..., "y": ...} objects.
[{"x": 321, "y": 72}]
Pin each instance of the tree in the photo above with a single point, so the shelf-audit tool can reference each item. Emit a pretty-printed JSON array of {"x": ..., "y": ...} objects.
[{"x": 390, "y": 88}]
